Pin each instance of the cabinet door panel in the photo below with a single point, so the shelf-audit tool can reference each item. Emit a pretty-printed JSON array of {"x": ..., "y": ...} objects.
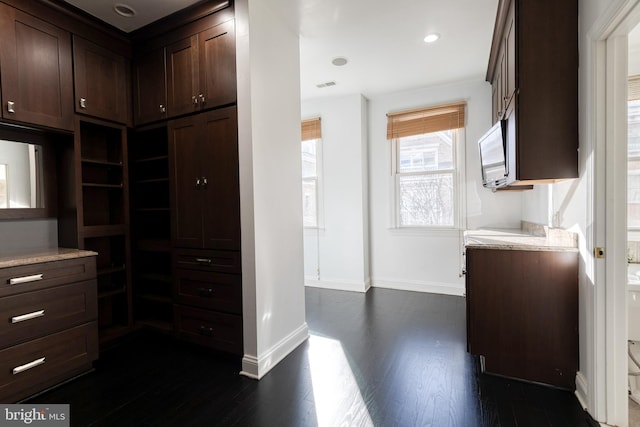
[
  {"x": 218, "y": 65},
  {"x": 35, "y": 60},
  {"x": 101, "y": 80},
  {"x": 220, "y": 167},
  {"x": 182, "y": 76},
  {"x": 150, "y": 101},
  {"x": 510, "y": 49},
  {"x": 186, "y": 199}
]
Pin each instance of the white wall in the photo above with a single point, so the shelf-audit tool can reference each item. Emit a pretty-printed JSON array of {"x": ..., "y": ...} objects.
[
  {"x": 270, "y": 186},
  {"x": 422, "y": 260},
  {"x": 16, "y": 156},
  {"x": 339, "y": 251}
]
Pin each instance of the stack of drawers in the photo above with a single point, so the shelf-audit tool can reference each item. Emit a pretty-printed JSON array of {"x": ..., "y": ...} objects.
[
  {"x": 48, "y": 328},
  {"x": 208, "y": 297}
]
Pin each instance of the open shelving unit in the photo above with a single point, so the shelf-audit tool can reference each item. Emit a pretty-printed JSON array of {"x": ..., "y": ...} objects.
[
  {"x": 103, "y": 218},
  {"x": 151, "y": 228}
]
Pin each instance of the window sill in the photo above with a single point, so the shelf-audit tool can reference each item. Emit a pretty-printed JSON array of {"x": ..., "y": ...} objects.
[{"x": 426, "y": 231}]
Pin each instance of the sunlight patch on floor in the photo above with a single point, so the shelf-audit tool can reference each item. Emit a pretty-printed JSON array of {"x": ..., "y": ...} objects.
[{"x": 337, "y": 397}]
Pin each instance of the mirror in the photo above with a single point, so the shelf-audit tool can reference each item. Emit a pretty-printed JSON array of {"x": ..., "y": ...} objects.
[{"x": 21, "y": 175}]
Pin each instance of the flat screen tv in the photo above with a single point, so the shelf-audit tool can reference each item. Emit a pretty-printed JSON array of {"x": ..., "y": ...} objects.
[{"x": 493, "y": 156}]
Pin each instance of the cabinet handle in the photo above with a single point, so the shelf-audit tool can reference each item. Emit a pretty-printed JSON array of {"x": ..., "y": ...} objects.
[
  {"x": 202, "y": 98},
  {"x": 163, "y": 109},
  {"x": 206, "y": 331},
  {"x": 204, "y": 182},
  {"x": 11, "y": 106},
  {"x": 28, "y": 316},
  {"x": 25, "y": 279},
  {"x": 205, "y": 292},
  {"x": 198, "y": 183},
  {"x": 203, "y": 260},
  {"x": 83, "y": 102},
  {"x": 28, "y": 366},
  {"x": 194, "y": 99}
]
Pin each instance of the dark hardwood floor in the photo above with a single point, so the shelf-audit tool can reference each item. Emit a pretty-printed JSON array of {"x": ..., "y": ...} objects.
[{"x": 387, "y": 358}]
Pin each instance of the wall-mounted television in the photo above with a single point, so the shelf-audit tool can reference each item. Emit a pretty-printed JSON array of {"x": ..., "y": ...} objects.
[{"x": 493, "y": 155}]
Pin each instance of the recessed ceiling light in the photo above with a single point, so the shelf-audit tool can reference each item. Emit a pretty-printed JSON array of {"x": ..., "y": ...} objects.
[
  {"x": 124, "y": 10},
  {"x": 431, "y": 37},
  {"x": 339, "y": 61}
]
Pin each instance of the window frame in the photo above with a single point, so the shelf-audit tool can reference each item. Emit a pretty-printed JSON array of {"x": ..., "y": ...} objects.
[
  {"x": 457, "y": 173},
  {"x": 317, "y": 179}
]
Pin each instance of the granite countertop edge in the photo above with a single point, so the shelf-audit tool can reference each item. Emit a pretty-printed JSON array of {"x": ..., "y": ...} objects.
[
  {"x": 42, "y": 255},
  {"x": 520, "y": 240}
]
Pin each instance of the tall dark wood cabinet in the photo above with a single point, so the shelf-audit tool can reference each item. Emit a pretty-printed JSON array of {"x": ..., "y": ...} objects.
[
  {"x": 150, "y": 83},
  {"x": 35, "y": 70},
  {"x": 522, "y": 313},
  {"x": 101, "y": 82},
  {"x": 533, "y": 70},
  {"x": 204, "y": 167}
]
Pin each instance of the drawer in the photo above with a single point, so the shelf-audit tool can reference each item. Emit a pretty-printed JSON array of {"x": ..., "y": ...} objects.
[
  {"x": 32, "y": 277},
  {"x": 213, "y": 329},
  {"x": 217, "y": 291},
  {"x": 35, "y": 365},
  {"x": 33, "y": 314},
  {"x": 207, "y": 260}
]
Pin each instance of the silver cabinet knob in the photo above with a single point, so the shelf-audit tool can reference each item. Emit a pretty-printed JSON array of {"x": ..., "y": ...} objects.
[
  {"x": 194, "y": 99},
  {"x": 11, "y": 106},
  {"x": 83, "y": 102},
  {"x": 202, "y": 98},
  {"x": 163, "y": 109}
]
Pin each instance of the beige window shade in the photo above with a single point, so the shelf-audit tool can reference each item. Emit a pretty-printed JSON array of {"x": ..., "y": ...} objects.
[
  {"x": 311, "y": 129},
  {"x": 425, "y": 120},
  {"x": 634, "y": 88}
]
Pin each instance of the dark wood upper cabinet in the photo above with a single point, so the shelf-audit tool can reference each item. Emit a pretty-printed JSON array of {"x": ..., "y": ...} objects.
[
  {"x": 35, "y": 66},
  {"x": 101, "y": 79},
  {"x": 217, "y": 65},
  {"x": 533, "y": 68},
  {"x": 203, "y": 153},
  {"x": 182, "y": 77},
  {"x": 201, "y": 71},
  {"x": 150, "y": 91}
]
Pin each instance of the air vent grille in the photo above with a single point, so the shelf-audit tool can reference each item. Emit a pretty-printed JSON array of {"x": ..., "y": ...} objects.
[{"x": 326, "y": 84}]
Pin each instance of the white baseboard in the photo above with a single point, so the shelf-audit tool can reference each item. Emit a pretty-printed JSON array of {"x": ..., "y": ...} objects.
[
  {"x": 419, "y": 286},
  {"x": 258, "y": 367},
  {"x": 581, "y": 389},
  {"x": 338, "y": 285}
]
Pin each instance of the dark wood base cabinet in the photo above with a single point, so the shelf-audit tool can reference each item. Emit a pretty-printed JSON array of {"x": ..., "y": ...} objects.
[
  {"x": 49, "y": 331},
  {"x": 522, "y": 313}
]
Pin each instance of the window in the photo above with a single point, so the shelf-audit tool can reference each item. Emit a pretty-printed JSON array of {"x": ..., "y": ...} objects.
[
  {"x": 425, "y": 165},
  {"x": 310, "y": 172},
  {"x": 633, "y": 165}
]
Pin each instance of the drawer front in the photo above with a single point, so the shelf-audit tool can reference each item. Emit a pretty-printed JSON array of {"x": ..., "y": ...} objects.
[
  {"x": 220, "y": 331},
  {"x": 35, "y": 365},
  {"x": 32, "y": 277},
  {"x": 217, "y": 291},
  {"x": 207, "y": 260},
  {"x": 32, "y": 314}
]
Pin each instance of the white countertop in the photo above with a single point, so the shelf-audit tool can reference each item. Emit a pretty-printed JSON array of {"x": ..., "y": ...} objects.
[
  {"x": 42, "y": 255},
  {"x": 516, "y": 239}
]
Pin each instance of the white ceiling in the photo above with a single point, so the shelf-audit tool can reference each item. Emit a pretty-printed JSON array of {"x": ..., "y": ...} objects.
[{"x": 382, "y": 40}]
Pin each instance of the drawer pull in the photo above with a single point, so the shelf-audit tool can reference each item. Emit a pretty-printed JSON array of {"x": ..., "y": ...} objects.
[
  {"x": 208, "y": 332},
  {"x": 205, "y": 292},
  {"x": 203, "y": 260},
  {"x": 28, "y": 366},
  {"x": 25, "y": 279},
  {"x": 28, "y": 316}
]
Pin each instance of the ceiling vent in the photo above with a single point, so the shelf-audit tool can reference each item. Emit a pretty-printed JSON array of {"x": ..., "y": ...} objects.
[{"x": 326, "y": 84}]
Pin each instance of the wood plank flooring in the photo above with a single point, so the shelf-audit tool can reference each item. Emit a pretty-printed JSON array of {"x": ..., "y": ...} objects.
[{"x": 385, "y": 358}]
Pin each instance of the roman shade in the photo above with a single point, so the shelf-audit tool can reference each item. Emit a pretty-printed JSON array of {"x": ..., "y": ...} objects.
[
  {"x": 311, "y": 129},
  {"x": 634, "y": 88},
  {"x": 425, "y": 120}
]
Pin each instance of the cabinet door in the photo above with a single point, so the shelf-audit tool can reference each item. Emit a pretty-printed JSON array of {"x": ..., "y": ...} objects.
[
  {"x": 182, "y": 77},
  {"x": 150, "y": 97},
  {"x": 186, "y": 182},
  {"x": 35, "y": 60},
  {"x": 220, "y": 167},
  {"x": 510, "y": 52},
  {"x": 101, "y": 82},
  {"x": 217, "y": 65}
]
